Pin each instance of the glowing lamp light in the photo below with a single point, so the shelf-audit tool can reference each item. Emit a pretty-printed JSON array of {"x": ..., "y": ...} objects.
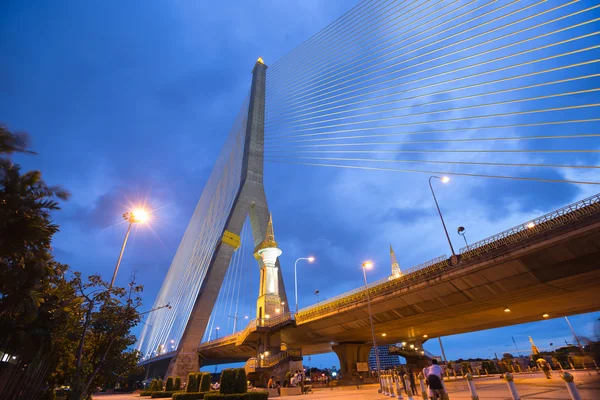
[
  {"x": 530, "y": 225},
  {"x": 334, "y": 373},
  {"x": 403, "y": 343},
  {"x": 311, "y": 259},
  {"x": 267, "y": 316},
  {"x": 266, "y": 353},
  {"x": 245, "y": 317},
  {"x": 507, "y": 310},
  {"x": 445, "y": 179},
  {"x": 545, "y": 315},
  {"x": 416, "y": 348},
  {"x": 425, "y": 336},
  {"x": 384, "y": 334},
  {"x": 140, "y": 215},
  {"x": 277, "y": 310},
  {"x": 367, "y": 264},
  {"x": 412, "y": 346}
]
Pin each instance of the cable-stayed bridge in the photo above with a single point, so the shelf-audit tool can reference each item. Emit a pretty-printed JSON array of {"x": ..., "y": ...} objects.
[{"x": 484, "y": 89}]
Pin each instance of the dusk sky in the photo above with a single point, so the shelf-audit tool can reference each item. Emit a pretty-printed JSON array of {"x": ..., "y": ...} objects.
[{"x": 130, "y": 103}]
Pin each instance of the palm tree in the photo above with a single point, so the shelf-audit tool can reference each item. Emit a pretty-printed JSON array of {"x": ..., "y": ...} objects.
[{"x": 11, "y": 142}]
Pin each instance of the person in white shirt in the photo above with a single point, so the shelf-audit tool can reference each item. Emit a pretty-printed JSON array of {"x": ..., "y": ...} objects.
[{"x": 434, "y": 374}]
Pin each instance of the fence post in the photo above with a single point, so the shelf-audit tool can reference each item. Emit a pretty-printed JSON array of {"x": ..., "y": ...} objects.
[
  {"x": 511, "y": 386},
  {"x": 471, "y": 384},
  {"x": 422, "y": 384},
  {"x": 569, "y": 381}
]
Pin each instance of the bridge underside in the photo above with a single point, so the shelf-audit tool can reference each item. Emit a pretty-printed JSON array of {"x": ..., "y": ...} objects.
[{"x": 559, "y": 275}]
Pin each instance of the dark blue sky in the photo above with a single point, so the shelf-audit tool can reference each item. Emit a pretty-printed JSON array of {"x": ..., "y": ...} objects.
[{"x": 129, "y": 102}]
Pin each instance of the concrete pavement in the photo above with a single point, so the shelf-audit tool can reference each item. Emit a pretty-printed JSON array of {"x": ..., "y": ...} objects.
[{"x": 532, "y": 386}]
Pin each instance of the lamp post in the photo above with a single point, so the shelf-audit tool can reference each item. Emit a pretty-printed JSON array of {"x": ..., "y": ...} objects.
[
  {"x": 137, "y": 215},
  {"x": 309, "y": 259},
  {"x": 462, "y": 232},
  {"x": 368, "y": 265},
  {"x": 217, "y": 329},
  {"x": 444, "y": 179},
  {"x": 317, "y": 294}
]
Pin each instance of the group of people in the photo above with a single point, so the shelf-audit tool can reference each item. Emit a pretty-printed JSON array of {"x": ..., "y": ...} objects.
[
  {"x": 297, "y": 379},
  {"x": 434, "y": 379}
]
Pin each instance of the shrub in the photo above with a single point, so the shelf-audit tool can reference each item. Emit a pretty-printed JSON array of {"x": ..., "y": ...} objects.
[
  {"x": 177, "y": 384},
  {"x": 169, "y": 385},
  {"x": 192, "y": 385},
  {"x": 240, "y": 383},
  {"x": 190, "y": 396},
  {"x": 146, "y": 393},
  {"x": 230, "y": 396},
  {"x": 258, "y": 395},
  {"x": 227, "y": 378},
  {"x": 153, "y": 386},
  {"x": 161, "y": 395},
  {"x": 288, "y": 378},
  {"x": 205, "y": 382}
]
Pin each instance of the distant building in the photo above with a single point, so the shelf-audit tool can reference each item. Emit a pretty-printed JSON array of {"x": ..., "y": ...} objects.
[{"x": 386, "y": 361}]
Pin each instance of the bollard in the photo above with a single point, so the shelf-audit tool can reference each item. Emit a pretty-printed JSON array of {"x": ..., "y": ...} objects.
[
  {"x": 572, "y": 366},
  {"x": 471, "y": 384},
  {"x": 398, "y": 386},
  {"x": 511, "y": 386},
  {"x": 454, "y": 372},
  {"x": 387, "y": 386},
  {"x": 447, "y": 375},
  {"x": 422, "y": 385},
  {"x": 486, "y": 372},
  {"x": 596, "y": 365},
  {"x": 382, "y": 383},
  {"x": 391, "y": 386},
  {"x": 408, "y": 387},
  {"x": 478, "y": 373},
  {"x": 573, "y": 391}
]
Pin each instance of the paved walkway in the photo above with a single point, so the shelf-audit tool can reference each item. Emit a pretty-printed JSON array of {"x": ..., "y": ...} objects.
[{"x": 530, "y": 386}]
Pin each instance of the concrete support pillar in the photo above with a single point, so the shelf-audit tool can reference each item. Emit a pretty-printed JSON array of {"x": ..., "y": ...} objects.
[
  {"x": 349, "y": 354},
  {"x": 471, "y": 384},
  {"x": 423, "y": 388},
  {"x": 569, "y": 381},
  {"x": 511, "y": 386}
]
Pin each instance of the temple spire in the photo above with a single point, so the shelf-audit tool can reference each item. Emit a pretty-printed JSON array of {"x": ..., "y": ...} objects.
[
  {"x": 269, "y": 241},
  {"x": 396, "y": 272}
]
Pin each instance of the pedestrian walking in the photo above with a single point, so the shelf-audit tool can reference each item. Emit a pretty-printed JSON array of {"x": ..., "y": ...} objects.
[
  {"x": 434, "y": 375},
  {"x": 411, "y": 377}
]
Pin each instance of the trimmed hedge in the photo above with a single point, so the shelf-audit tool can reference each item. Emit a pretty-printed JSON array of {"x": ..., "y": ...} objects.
[
  {"x": 258, "y": 395},
  {"x": 233, "y": 381},
  {"x": 192, "y": 386},
  {"x": 165, "y": 394},
  {"x": 205, "y": 382},
  {"x": 153, "y": 385},
  {"x": 177, "y": 384},
  {"x": 146, "y": 393},
  {"x": 190, "y": 396},
  {"x": 169, "y": 385}
]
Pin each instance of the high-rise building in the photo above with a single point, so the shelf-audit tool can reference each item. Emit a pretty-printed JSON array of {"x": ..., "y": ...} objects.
[{"x": 386, "y": 361}]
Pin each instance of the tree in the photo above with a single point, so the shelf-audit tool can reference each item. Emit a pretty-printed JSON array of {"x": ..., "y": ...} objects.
[
  {"x": 11, "y": 142},
  {"x": 105, "y": 333}
]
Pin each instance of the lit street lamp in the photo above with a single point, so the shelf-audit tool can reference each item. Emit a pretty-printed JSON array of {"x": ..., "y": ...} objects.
[
  {"x": 368, "y": 265},
  {"x": 309, "y": 259},
  {"x": 217, "y": 329},
  {"x": 444, "y": 179},
  {"x": 317, "y": 294},
  {"x": 137, "y": 215}
]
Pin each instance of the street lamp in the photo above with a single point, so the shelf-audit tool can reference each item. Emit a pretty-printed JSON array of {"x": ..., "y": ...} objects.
[
  {"x": 217, "y": 329},
  {"x": 309, "y": 259},
  {"x": 444, "y": 179},
  {"x": 368, "y": 265},
  {"x": 317, "y": 294},
  {"x": 137, "y": 215},
  {"x": 462, "y": 231}
]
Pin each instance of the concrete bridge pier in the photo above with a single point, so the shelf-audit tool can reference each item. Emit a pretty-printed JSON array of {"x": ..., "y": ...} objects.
[{"x": 349, "y": 354}]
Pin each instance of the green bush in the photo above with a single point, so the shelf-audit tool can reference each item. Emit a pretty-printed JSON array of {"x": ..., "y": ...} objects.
[
  {"x": 258, "y": 395},
  {"x": 190, "y": 396},
  {"x": 241, "y": 384},
  {"x": 177, "y": 384},
  {"x": 153, "y": 386},
  {"x": 288, "y": 378},
  {"x": 233, "y": 380},
  {"x": 192, "y": 386},
  {"x": 204, "y": 382},
  {"x": 230, "y": 396},
  {"x": 146, "y": 393},
  {"x": 165, "y": 394},
  {"x": 169, "y": 385}
]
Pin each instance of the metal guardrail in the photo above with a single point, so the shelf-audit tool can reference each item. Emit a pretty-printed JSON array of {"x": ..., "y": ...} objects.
[
  {"x": 572, "y": 212},
  {"x": 239, "y": 337},
  {"x": 557, "y": 218}
]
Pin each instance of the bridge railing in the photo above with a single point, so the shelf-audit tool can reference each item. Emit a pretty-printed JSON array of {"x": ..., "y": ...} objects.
[
  {"x": 562, "y": 216},
  {"x": 572, "y": 212}
]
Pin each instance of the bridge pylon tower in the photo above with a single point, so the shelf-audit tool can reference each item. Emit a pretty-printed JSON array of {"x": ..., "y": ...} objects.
[{"x": 250, "y": 201}]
